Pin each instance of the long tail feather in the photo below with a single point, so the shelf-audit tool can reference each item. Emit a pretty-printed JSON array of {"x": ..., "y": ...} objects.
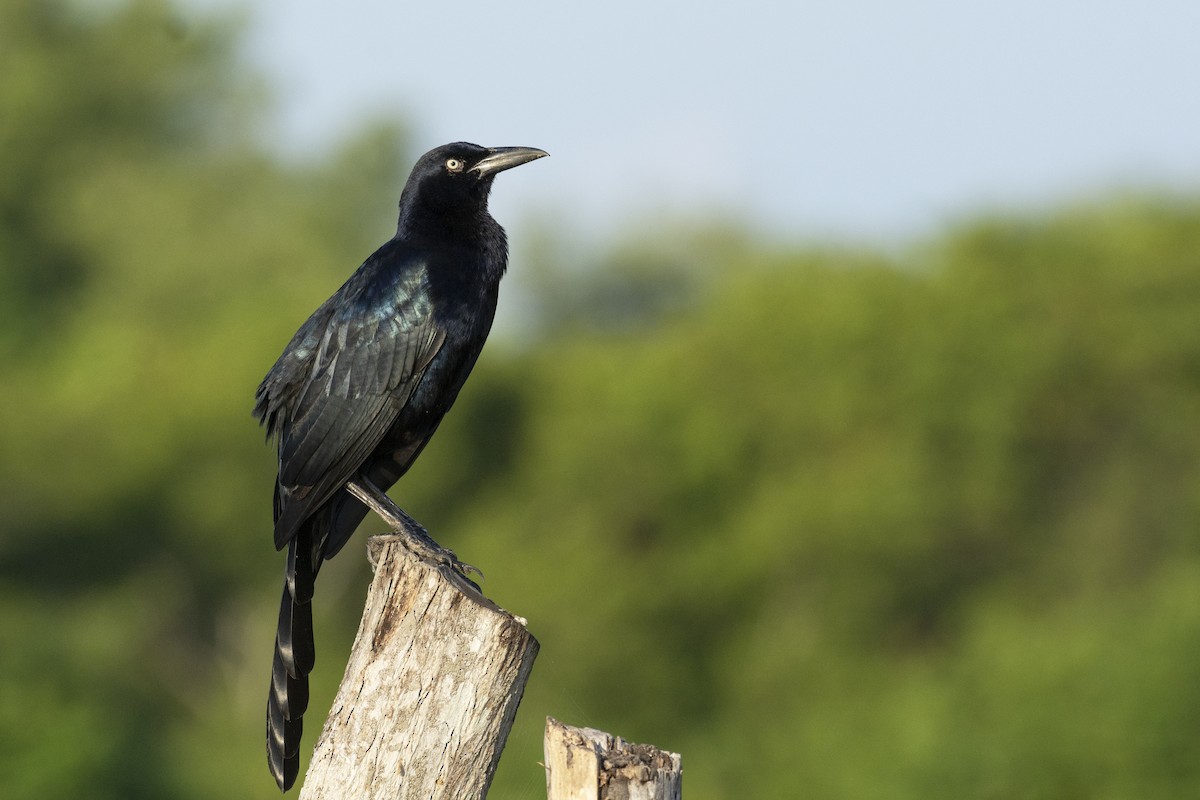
[{"x": 295, "y": 654}]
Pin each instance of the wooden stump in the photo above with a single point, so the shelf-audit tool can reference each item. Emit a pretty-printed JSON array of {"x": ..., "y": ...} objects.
[
  {"x": 587, "y": 764},
  {"x": 430, "y": 691}
]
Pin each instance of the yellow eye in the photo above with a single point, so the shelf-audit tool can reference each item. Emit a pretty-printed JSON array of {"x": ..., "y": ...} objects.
[{"x": 455, "y": 164}]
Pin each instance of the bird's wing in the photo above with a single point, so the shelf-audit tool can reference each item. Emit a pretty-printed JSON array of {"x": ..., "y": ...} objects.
[{"x": 359, "y": 363}]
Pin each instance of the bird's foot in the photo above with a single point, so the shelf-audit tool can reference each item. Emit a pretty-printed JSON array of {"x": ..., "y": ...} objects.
[
  {"x": 418, "y": 541},
  {"x": 414, "y": 536}
]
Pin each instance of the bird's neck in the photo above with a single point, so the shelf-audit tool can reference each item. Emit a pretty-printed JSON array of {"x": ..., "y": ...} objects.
[
  {"x": 430, "y": 222},
  {"x": 470, "y": 242}
]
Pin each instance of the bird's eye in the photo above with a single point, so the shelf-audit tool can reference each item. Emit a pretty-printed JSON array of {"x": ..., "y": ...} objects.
[{"x": 455, "y": 164}]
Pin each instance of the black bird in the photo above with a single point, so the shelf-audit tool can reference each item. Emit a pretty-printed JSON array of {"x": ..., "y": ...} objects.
[{"x": 362, "y": 386}]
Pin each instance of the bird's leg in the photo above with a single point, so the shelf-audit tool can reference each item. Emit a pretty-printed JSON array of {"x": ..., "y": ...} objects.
[
  {"x": 416, "y": 537},
  {"x": 378, "y": 501}
]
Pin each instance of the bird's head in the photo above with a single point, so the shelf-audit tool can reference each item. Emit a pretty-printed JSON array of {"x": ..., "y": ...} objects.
[{"x": 460, "y": 175}]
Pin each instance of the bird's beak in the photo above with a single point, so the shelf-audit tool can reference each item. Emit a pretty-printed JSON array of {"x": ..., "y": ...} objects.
[{"x": 499, "y": 159}]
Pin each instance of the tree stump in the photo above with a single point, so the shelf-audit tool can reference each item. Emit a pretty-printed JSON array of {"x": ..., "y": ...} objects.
[
  {"x": 587, "y": 764},
  {"x": 430, "y": 690}
]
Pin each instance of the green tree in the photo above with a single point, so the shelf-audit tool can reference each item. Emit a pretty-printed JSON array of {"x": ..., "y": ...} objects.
[
  {"x": 152, "y": 260},
  {"x": 865, "y": 528}
]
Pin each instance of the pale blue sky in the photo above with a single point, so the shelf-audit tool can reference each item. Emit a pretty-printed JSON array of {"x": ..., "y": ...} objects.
[{"x": 857, "y": 118}]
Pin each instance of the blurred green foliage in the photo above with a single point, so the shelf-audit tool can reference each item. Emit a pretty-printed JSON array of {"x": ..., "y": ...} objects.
[{"x": 831, "y": 523}]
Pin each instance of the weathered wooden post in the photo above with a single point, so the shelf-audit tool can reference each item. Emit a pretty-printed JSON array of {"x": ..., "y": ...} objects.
[
  {"x": 430, "y": 691},
  {"x": 587, "y": 764}
]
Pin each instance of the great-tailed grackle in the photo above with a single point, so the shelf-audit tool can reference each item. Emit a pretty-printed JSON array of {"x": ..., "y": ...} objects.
[{"x": 364, "y": 383}]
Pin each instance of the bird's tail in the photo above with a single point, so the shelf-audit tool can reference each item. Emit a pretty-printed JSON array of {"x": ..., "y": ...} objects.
[{"x": 295, "y": 653}]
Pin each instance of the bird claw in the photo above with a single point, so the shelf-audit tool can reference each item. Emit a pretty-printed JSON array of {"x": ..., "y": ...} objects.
[
  {"x": 423, "y": 545},
  {"x": 447, "y": 558},
  {"x": 413, "y": 534},
  {"x": 457, "y": 572},
  {"x": 463, "y": 568}
]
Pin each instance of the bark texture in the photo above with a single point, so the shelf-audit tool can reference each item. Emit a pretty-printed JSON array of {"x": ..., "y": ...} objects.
[{"x": 430, "y": 691}]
